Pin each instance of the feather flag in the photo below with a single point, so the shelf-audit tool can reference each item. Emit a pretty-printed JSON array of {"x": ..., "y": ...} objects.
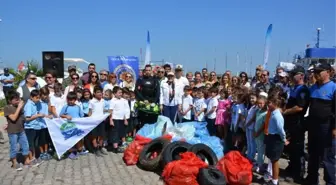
[
  {"x": 148, "y": 50},
  {"x": 267, "y": 44}
]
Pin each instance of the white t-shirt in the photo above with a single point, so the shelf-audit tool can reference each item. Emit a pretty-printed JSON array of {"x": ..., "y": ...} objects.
[
  {"x": 186, "y": 102},
  {"x": 183, "y": 81},
  {"x": 19, "y": 90},
  {"x": 199, "y": 105},
  {"x": 96, "y": 106},
  {"x": 120, "y": 108},
  {"x": 250, "y": 115},
  {"x": 57, "y": 102},
  {"x": 213, "y": 102},
  {"x": 123, "y": 84}
]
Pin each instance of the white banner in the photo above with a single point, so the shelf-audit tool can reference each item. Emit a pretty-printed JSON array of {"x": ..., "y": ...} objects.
[{"x": 65, "y": 134}]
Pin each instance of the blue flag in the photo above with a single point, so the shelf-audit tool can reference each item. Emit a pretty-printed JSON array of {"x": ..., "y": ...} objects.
[{"x": 122, "y": 64}]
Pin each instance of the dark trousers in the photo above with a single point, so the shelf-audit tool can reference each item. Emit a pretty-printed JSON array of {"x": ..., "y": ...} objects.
[
  {"x": 170, "y": 112},
  {"x": 211, "y": 126},
  {"x": 6, "y": 90},
  {"x": 321, "y": 145},
  {"x": 295, "y": 149}
]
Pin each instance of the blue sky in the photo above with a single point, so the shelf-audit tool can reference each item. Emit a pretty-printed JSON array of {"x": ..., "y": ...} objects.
[{"x": 182, "y": 31}]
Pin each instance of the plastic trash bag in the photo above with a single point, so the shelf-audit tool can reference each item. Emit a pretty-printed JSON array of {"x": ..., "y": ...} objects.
[
  {"x": 183, "y": 171},
  {"x": 156, "y": 130},
  {"x": 132, "y": 152},
  {"x": 236, "y": 168},
  {"x": 180, "y": 131}
]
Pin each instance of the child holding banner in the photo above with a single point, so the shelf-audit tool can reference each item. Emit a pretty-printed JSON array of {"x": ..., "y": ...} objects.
[{"x": 96, "y": 108}]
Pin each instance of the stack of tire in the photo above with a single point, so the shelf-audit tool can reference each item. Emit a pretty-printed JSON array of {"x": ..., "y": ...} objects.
[{"x": 159, "y": 152}]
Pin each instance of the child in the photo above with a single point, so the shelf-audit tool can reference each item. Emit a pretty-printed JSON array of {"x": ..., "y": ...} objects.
[
  {"x": 96, "y": 108},
  {"x": 118, "y": 121},
  {"x": 87, "y": 96},
  {"x": 134, "y": 114},
  {"x": 223, "y": 116},
  {"x": 187, "y": 105},
  {"x": 107, "y": 99},
  {"x": 16, "y": 134},
  {"x": 211, "y": 111},
  {"x": 57, "y": 100},
  {"x": 44, "y": 134},
  {"x": 128, "y": 129},
  {"x": 32, "y": 112},
  {"x": 259, "y": 131},
  {"x": 199, "y": 106},
  {"x": 249, "y": 127},
  {"x": 70, "y": 111},
  {"x": 276, "y": 138},
  {"x": 79, "y": 93},
  {"x": 238, "y": 118},
  {"x": 229, "y": 89}
]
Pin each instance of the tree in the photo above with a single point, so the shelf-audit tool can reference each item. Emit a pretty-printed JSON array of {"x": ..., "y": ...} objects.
[{"x": 32, "y": 65}]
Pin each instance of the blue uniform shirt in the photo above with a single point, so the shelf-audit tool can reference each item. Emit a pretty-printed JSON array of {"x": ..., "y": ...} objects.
[
  {"x": 31, "y": 109},
  {"x": 45, "y": 111},
  {"x": 276, "y": 124},
  {"x": 85, "y": 106},
  {"x": 107, "y": 105},
  {"x": 9, "y": 77},
  {"x": 74, "y": 111}
]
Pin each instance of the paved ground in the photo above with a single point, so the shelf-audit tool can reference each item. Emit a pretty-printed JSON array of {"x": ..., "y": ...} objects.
[{"x": 109, "y": 170}]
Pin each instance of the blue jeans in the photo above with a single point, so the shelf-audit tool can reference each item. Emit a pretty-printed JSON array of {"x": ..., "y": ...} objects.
[
  {"x": 170, "y": 112},
  {"x": 251, "y": 145},
  {"x": 260, "y": 149},
  {"x": 14, "y": 139}
]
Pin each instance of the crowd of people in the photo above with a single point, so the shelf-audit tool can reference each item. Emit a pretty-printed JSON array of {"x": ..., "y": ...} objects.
[{"x": 260, "y": 115}]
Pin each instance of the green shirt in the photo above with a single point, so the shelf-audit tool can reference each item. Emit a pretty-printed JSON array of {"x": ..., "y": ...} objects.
[{"x": 260, "y": 119}]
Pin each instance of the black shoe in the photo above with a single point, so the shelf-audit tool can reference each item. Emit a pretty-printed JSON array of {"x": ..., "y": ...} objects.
[
  {"x": 309, "y": 181},
  {"x": 102, "y": 151},
  {"x": 97, "y": 152},
  {"x": 118, "y": 150}
]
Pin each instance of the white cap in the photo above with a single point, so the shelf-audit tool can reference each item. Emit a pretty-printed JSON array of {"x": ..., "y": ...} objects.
[
  {"x": 283, "y": 74},
  {"x": 263, "y": 94},
  {"x": 170, "y": 74},
  {"x": 178, "y": 67}
]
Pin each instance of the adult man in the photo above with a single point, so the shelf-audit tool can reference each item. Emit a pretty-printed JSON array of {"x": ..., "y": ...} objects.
[
  {"x": 30, "y": 84},
  {"x": 7, "y": 82},
  {"x": 276, "y": 78},
  {"x": 167, "y": 69},
  {"x": 67, "y": 81},
  {"x": 190, "y": 76},
  {"x": 103, "y": 77},
  {"x": 264, "y": 84},
  {"x": 86, "y": 75},
  {"x": 198, "y": 79},
  {"x": 321, "y": 126},
  {"x": 160, "y": 75},
  {"x": 179, "y": 78},
  {"x": 296, "y": 108},
  {"x": 147, "y": 89},
  {"x": 257, "y": 77},
  {"x": 283, "y": 82},
  {"x": 204, "y": 71}
]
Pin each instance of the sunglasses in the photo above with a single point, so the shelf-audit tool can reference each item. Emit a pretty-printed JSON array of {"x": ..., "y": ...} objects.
[
  {"x": 160, "y": 71},
  {"x": 213, "y": 75},
  {"x": 48, "y": 77},
  {"x": 104, "y": 74},
  {"x": 128, "y": 76},
  {"x": 94, "y": 76},
  {"x": 263, "y": 75},
  {"x": 33, "y": 78},
  {"x": 113, "y": 77},
  {"x": 75, "y": 78}
]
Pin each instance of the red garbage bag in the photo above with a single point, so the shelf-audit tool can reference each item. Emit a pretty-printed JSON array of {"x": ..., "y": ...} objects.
[
  {"x": 236, "y": 168},
  {"x": 132, "y": 152},
  {"x": 183, "y": 171}
]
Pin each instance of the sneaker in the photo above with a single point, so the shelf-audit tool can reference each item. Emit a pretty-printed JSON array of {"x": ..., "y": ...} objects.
[
  {"x": 267, "y": 177},
  {"x": 2, "y": 141},
  {"x": 44, "y": 157},
  {"x": 270, "y": 183},
  {"x": 98, "y": 153},
  {"x": 83, "y": 152},
  {"x": 103, "y": 151},
  {"x": 48, "y": 156},
  {"x": 18, "y": 167},
  {"x": 36, "y": 162},
  {"x": 73, "y": 156},
  {"x": 118, "y": 150}
]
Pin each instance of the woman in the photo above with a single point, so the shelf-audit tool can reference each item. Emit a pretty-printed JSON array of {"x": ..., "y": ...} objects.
[
  {"x": 213, "y": 79},
  {"x": 73, "y": 85},
  {"x": 57, "y": 100},
  {"x": 128, "y": 82},
  {"x": 112, "y": 82},
  {"x": 235, "y": 81},
  {"x": 50, "y": 78},
  {"x": 93, "y": 81},
  {"x": 205, "y": 77},
  {"x": 224, "y": 82},
  {"x": 170, "y": 97},
  {"x": 244, "y": 80}
]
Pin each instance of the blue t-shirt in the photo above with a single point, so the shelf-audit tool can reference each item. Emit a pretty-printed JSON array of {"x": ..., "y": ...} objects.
[
  {"x": 85, "y": 106},
  {"x": 9, "y": 77},
  {"x": 45, "y": 111},
  {"x": 276, "y": 124},
  {"x": 31, "y": 109},
  {"x": 72, "y": 110},
  {"x": 107, "y": 105}
]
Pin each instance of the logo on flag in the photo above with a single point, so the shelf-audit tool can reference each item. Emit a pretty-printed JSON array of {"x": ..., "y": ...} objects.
[{"x": 69, "y": 129}]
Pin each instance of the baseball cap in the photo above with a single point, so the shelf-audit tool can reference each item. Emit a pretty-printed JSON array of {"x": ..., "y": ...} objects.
[
  {"x": 263, "y": 94},
  {"x": 298, "y": 69},
  {"x": 170, "y": 74},
  {"x": 6, "y": 70},
  {"x": 322, "y": 67},
  {"x": 104, "y": 70},
  {"x": 178, "y": 67},
  {"x": 72, "y": 67}
]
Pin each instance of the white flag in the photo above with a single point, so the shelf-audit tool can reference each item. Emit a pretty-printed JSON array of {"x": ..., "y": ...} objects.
[{"x": 65, "y": 134}]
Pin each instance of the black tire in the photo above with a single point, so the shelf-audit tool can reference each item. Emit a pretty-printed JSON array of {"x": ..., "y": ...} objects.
[
  {"x": 211, "y": 176},
  {"x": 205, "y": 153},
  {"x": 172, "y": 152},
  {"x": 157, "y": 145}
]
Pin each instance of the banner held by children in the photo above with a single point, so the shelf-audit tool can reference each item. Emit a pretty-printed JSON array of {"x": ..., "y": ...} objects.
[
  {"x": 66, "y": 133},
  {"x": 120, "y": 65}
]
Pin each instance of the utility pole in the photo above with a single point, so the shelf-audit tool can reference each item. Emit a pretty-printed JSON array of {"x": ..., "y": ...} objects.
[{"x": 226, "y": 62}]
